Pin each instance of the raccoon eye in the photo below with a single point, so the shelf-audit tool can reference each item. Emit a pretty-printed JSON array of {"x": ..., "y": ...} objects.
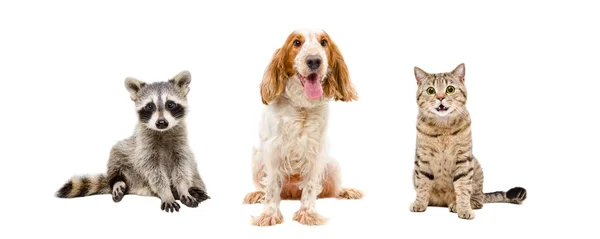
[
  {"x": 297, "y": 43},
  {"x": 149, "y": 107},
  {"x": 430, "y": 91},
  {"x": 450, "y": 89},
  {"x": 323, "y": 42},
  {"x": 171, "y": 105}
]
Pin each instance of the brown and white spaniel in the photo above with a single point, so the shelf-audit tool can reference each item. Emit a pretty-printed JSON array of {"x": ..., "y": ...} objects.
[{"x": 292, "y": 162}]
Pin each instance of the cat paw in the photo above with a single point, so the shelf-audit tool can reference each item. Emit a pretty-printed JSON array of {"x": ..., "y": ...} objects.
[
  {"x": 199, "y": 194},
  {"x": 169, "y": 206},
  {"x": 418, "y": 207},
  {"x": 476, "y": 204},
  {"x": 189, "y": 201},
  {"x": 452, "y": 207},
  {"x": 306, "y": 217},
  {"x": 466, "y": 214},
  {"x": 266, "y": 219},
  {"x": 118, "y": 191}
]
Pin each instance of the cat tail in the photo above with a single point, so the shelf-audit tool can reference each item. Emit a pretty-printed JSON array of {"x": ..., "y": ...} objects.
[
  {"x": 81, "y": 186},
  {"x": 515, "y": 195}
]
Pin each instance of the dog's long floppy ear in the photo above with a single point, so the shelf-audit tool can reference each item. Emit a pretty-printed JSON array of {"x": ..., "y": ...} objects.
[
  {"x": 273, "y": 84},
  {"x": 133, "y": 86},
  {"x": 338, "y": 84},
  {"x": 182, "y": 81}
]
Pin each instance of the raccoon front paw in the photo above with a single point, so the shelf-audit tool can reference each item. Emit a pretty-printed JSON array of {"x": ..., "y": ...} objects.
[
  {"x": 169, "y": 206},
  {"x": 118, "y": 191},
  {"x": 418, "y": 207},
  {"x": 189, "y": 201},
  {"x": 452, "y": 207},
  {"x": 199, "y": 194},
  {"x": 466, "y": 214}
]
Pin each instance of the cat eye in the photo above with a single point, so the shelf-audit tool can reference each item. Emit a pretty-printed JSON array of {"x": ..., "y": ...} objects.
[
  {"x": 297, "y": 43},
  {"x": 430, "y": 91},
  {"x": 450, "y": 89}
]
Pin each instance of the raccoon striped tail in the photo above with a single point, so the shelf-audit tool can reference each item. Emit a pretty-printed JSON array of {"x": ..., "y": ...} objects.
[
  {"x": 81, "y": 186},
  {"x": 515, "y": 195}
]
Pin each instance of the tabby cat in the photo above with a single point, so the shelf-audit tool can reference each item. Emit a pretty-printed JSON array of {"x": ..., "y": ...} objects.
[{"x": 446, "y": 172}]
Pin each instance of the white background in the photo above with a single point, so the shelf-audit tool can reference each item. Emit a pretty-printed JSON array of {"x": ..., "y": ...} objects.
[{"x": 531, "y": 72}]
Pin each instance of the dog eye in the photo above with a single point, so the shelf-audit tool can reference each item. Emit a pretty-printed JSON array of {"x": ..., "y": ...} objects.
[
  {"x": 430, "y": 91},
  {"x": 297, "y": 43},
  {"x": 323, "y": 42},
  {"x": 171, "y": 105},
  {"x": 450, "y": 89}
]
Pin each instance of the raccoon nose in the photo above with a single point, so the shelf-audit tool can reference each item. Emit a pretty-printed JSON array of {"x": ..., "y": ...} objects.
[{"x": 162, "y": 124}]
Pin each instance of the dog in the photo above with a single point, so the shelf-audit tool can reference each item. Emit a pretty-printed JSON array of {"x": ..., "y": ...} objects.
[{"x": 292, "y": 162}]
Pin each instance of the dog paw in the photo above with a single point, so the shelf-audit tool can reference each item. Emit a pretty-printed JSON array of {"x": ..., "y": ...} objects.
[
  {"x": 118, "y": 191},
  {"x": 418, "y": 207},
  {"x": 254, "y": 197},
  {"x": 466, "y": 213},
  {"x": 199, "y": 194},
  {"x": 169, "y": 206},
  {"x": 452, "y": 207},
  {"x": 306, "y": 217},
  {"x": 267, "y": 219},
  {"x": 189, "y": 201},
  {"x": 351, "y": 193}
]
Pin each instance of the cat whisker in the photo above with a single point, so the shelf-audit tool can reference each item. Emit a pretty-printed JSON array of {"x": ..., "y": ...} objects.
[{"x": 462, "y": 111}]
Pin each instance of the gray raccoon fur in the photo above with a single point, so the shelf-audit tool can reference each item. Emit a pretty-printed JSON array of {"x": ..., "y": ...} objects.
[{"x": 156, "y": 160}]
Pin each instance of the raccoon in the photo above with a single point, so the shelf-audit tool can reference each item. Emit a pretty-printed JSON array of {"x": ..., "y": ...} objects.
[{"x": 156, "y": 160}]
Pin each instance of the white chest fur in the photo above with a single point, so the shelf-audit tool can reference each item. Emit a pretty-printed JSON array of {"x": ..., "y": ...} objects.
[{"x": 294, "y": 135}]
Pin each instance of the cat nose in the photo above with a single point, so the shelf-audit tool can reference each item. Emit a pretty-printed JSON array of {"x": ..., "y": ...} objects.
[{"x": 440, "y": 96}]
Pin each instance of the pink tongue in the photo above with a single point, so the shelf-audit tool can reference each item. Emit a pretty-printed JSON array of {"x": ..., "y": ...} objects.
[{"x": 312, "y": 89}]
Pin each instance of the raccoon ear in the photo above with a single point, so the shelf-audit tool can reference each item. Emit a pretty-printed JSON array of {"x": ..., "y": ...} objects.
[
  {"x": 134, "y": 86},
  {"x": 182, "y": 80}
]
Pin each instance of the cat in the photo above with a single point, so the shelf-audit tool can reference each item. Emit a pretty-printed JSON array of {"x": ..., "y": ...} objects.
[{"x": 446, "y": 173}]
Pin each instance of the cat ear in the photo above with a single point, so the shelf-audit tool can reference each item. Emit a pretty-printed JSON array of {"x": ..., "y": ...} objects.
[
  {"x": 420, "y": 75},
  {"x": 459, "y": 71}
]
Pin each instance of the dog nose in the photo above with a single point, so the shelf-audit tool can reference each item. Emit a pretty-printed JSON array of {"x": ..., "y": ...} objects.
[
  {"x": 313, "y": 62},
  {"x": 162, "y": 124}
]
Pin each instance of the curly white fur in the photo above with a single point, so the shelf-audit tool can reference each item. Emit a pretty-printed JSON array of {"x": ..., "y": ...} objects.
[{"x": 292, "y": 134}]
